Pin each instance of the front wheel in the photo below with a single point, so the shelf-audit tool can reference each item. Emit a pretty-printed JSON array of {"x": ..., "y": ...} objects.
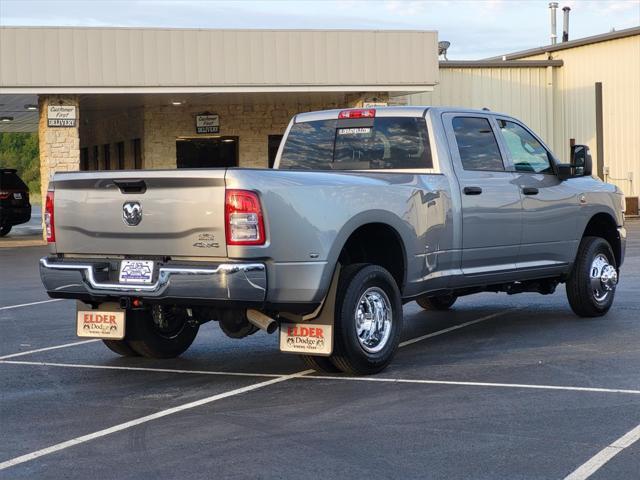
[
  {"x": 368, "y": 320},
  {"x": 164, "y": 332},
  {"x": 592, "y": 283},
  {"x": 4, "y": 230}
]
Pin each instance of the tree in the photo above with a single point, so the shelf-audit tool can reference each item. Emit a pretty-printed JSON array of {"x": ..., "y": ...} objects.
[{"x": 20, "y": 151}]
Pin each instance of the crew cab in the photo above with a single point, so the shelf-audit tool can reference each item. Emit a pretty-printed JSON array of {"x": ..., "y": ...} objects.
[{"x": 365, "y": 210}]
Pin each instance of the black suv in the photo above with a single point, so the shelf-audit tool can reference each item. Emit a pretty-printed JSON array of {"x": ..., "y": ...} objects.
[{"x": 14, "y": 201}]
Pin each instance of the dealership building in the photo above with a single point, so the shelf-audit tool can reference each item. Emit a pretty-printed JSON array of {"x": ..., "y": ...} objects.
[{"x": 138, "y": 98}]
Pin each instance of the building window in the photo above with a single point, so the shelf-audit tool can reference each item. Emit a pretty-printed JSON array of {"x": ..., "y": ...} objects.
[
  {"x": 274, "y": 143},
  {"x": 120, "y": 152},
  {"x": 84, "y": 158},
  {"x": 207, "y": 152},
  {"x": 106, "y": 154},
  {"x": 137, "y": 154},
  {"x": 96, "y": 158}
]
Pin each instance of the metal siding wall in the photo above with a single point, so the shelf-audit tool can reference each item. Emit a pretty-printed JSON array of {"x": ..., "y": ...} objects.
[
  {"x": 560, "y": 104},
  {"x": 123, "y": 57},
  {"x": 615, "y": 63},
  {"x": 520, "y": 92}
]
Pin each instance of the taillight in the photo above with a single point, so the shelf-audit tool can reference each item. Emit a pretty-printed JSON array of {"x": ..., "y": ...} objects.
[
  {"x": 358, "y": 113},
  {"x": 243, "y": 218},
  {"x": 49, "y": 222},
  {"x": 4, "y": 195}
]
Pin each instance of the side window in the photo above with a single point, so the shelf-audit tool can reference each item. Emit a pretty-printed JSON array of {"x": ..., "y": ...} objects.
[
  {"x": 527, "y": 153},
  {"x": 477, "y": 145}
]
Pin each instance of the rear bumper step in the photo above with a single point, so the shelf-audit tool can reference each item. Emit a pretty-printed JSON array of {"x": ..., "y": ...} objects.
[{"x": 241, "y": 282}]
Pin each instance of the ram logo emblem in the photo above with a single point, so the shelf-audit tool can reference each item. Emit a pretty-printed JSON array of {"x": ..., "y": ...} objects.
[{"x": 131, "y": 213}]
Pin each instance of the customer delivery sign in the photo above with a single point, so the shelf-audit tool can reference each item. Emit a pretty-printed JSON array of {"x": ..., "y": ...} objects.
[{"x": 61, "y": 116}]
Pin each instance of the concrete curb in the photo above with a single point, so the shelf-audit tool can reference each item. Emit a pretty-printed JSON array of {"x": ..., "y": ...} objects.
[{"x": 26, "y": 241}]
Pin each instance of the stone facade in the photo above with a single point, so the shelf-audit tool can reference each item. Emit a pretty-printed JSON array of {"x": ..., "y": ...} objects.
[
  {"x": 358, "y": 99},
  {"x": 158, "y": 126},
  {"x": 59, "y": 146},
  {"x": 110, "y": 127},
  {"x": 251, "y": 122}
]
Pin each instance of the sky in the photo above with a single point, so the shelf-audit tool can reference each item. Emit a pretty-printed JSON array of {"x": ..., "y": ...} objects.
[{"x": 475, "y": 28}]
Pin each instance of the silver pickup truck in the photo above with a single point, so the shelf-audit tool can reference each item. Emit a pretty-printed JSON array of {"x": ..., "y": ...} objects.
[{"x": 366, "y": 209}]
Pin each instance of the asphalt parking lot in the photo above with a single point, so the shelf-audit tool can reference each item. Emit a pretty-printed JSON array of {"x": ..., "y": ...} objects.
[{"x": 500, "y": 387}]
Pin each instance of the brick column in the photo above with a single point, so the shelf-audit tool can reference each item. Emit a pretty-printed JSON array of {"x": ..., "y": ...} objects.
[{"x": 59, "y": 146}]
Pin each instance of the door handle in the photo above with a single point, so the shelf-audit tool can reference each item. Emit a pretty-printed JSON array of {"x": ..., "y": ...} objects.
[
  {"x": 472, "y": 190},
  {"x": 530, "y": 191}
]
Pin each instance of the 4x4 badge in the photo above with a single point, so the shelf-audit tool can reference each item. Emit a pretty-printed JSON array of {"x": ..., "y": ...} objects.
[{"x": 131, "y": 213}]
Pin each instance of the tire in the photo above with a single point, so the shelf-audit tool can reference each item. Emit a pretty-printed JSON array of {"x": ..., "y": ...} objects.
[
  {"x": 5, "y": 230},
  {"x": 362, "y": 287},
  {"x": 439, "y": 302},
  {"x": 319, "y": 364},
  {"x": 591, "y": 293},
  {"x": 121, "y": 347},
  {"x": 150, "y": 340}
]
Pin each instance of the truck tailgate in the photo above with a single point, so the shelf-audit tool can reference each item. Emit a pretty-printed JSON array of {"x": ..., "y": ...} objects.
[{"x": 180, "y": 213}]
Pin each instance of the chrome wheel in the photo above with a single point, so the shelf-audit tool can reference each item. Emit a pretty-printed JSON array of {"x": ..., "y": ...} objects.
[
  {"x": 373, "y": 318},
  {"x": 603, "y": 276}
]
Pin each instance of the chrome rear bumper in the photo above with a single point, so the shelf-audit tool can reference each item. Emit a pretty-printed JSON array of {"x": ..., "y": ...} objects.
[{"x": 243, "y": 282}]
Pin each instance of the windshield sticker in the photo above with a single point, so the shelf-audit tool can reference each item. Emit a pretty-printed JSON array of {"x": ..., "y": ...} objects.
[{"x": 354, "y": 131}]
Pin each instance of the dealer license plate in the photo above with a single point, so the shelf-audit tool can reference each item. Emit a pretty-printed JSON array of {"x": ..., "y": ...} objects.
[
  {"x": 136, "y": 271},
  {"x": 100, "y": 324}
]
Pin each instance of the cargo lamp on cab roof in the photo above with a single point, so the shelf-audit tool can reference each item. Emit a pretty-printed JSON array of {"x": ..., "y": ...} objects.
[{"x": 358, "y": 113}]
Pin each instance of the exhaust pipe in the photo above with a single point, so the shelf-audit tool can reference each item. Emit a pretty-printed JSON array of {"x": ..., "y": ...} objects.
[
  {"x": 565, "y": 24},
  {"x": 553, "y": 6},
  {"x": 262, "y": 321}
]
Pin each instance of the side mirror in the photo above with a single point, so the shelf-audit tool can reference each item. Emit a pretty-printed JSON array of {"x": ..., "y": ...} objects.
[
  {"x": 581, "y": 161},
  {"x": 565, "y": 171}
]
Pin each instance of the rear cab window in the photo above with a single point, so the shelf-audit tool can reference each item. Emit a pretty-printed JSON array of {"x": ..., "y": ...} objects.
[{"x": 379, "y": 143}]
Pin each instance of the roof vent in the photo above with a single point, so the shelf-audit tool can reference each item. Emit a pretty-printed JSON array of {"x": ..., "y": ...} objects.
[
  {"x": 553, "y": 6},
  {"x": 565, "y": 24}
]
